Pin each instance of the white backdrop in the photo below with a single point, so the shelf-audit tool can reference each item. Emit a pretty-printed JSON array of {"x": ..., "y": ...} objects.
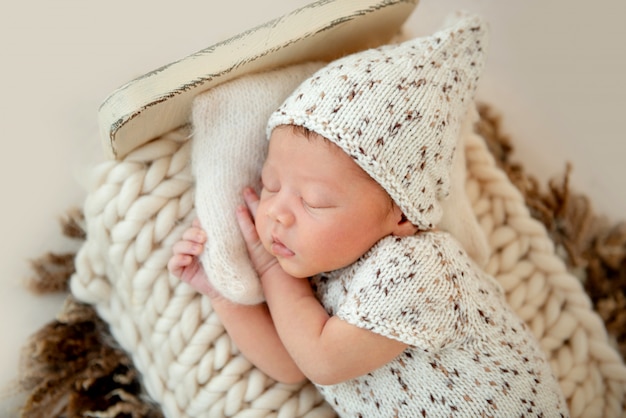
[{"x": 555, "y": 72}]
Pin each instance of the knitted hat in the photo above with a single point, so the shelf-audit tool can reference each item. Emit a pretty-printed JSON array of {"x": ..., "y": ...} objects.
[{"x": 397, "y": 110}]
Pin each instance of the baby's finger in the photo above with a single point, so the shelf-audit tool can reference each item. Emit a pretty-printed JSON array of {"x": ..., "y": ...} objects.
[
  {"x": 178, "y": 262},
  {"x": 195, "y": 234},
  {"x": 246, "y": 224},
  {"x": 187, "y": 248},
  {"x": 251, "y": 199}
]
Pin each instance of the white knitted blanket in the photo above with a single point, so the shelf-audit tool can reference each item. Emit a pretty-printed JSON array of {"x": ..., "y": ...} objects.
[
  {"x": 139, "y": 206},
  {"x": 228, "y": 152}
]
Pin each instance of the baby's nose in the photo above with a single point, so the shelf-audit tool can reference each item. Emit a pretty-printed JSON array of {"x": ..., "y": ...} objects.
[{"x": 281, "y": 212}]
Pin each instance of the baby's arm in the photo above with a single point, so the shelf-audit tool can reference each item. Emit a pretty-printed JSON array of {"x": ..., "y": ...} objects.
[
  {"x": 250, "y": 326},
  {"x": 327, "y": 349}
]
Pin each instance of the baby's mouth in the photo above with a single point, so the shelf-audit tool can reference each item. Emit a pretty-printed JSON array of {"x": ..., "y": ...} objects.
[{"x": 278, "y": 249}]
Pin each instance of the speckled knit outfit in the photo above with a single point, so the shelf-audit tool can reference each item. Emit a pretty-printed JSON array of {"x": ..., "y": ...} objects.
[
  {"x": 469, "y": 355},
  {"x": 397, "y": 111}
]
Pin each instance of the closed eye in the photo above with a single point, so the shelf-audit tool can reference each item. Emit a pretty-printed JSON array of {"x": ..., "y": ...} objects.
[
  {"x": 316, "y": 206},
  {"x": 271, "y": 187},
  {"x": 269, "y": 182},
  {"x": 270, "y": 190}
]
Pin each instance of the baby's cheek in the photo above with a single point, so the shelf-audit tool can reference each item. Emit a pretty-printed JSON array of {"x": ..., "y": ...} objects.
[
  {"x": 260, "y": 227},
  {"x": 260, "y": 213}
]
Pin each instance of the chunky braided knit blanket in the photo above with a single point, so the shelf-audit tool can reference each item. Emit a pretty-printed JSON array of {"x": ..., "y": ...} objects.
[{"x": 139, "y": 206}]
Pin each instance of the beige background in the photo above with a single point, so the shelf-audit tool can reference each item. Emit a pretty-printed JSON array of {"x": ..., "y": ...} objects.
[{"x": 556, "y": 72}]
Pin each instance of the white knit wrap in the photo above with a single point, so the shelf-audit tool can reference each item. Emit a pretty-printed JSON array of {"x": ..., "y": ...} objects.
[
  {"x": 397, "y": 110},
  {"x": 221, "y": 174}
]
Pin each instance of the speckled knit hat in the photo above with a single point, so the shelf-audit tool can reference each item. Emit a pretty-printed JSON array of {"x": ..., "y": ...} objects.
[{"x": 397, "y": 110}]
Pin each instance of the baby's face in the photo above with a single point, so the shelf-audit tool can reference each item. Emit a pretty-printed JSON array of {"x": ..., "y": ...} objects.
[{"x": 319, "y": 211}]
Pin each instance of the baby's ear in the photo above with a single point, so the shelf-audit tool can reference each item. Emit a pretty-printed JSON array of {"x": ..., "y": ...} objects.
[
  {"x": 458, "y": 217},
  {"x": 404, "y": 227}
]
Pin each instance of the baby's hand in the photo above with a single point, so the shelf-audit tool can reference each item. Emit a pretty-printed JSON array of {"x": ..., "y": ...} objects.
[
  {"x": 261, "y": 259},
  {"x": 184, "y": 263}
]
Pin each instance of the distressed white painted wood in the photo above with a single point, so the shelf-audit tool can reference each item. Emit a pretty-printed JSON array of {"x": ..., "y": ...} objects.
[{"x": 160, "y": 101}]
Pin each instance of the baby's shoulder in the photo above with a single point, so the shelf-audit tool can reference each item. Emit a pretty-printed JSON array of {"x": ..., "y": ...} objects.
[
  {"x": 424, "y": 246},
  {"x": 434, "y": 261}
]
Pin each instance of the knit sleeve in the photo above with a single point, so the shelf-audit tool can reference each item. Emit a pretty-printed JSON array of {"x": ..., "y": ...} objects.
[{"x": 412, "y": 290}]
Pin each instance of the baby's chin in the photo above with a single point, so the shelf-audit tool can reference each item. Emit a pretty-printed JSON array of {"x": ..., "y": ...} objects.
[{"x": 294, "y": 270}]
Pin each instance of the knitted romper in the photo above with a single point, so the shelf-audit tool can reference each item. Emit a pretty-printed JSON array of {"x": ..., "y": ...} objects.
[{"x": 469, "y": 355}]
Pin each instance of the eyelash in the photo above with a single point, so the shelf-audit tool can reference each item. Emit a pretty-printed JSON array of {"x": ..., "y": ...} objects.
[
  {"x": 309, "y": 206},
  {"x": 304, "y": 202}
]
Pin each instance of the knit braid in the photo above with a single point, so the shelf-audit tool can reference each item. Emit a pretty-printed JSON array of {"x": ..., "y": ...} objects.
[
  {"x": 541, "y": 291},
  {"x": 137, "y": 210},
  {"x": 138, "y": 207}
]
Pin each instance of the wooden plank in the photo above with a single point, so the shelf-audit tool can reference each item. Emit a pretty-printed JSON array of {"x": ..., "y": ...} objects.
[{"x": 160, "y": 100}]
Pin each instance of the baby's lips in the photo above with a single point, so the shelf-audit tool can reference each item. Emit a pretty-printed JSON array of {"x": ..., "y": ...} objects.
[{"x": 280, "y": 250}]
